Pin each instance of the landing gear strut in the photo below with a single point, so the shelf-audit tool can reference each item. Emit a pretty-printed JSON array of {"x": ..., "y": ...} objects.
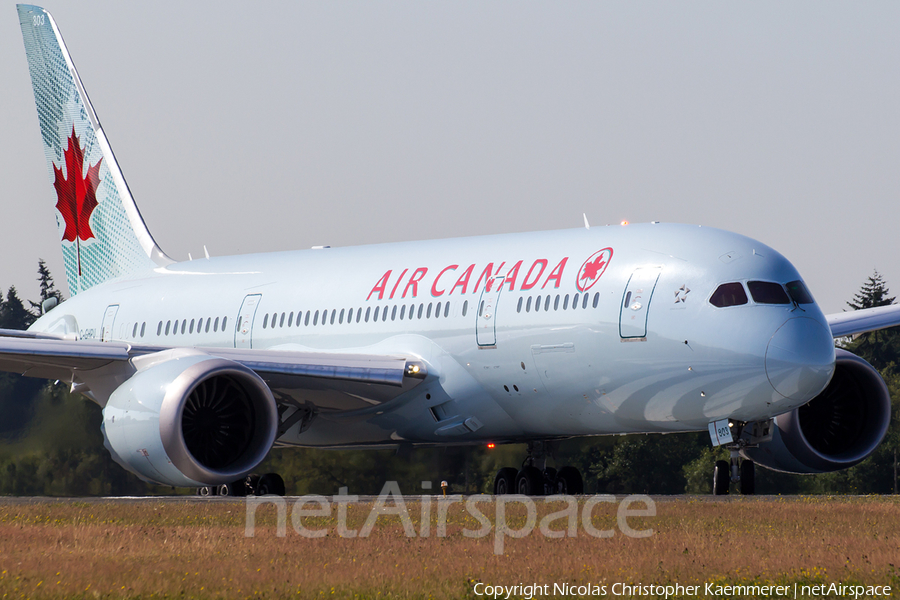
[{"x": 535, "y": 478}]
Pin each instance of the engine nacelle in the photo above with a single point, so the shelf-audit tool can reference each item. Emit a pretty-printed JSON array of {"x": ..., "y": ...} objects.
[
  {"x": 190, "y": 419},
  {"x": 836, "y": 430}
]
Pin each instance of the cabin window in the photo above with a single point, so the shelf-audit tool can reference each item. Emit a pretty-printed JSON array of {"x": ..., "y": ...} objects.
[
  {"x": 547, "y": 303},
  {"x": 368, "y": 309},
  {"x": 191, "y": 329},
  {"x": 216, "y": 324},
  {"x": 266, "y": 321},
  {"x": 585, "y": 299},
  {"x": 394, "y": 313},
  {"x": 465, "y": 308},
  {"x": 159, "y": 329},
  {"x": 767, "y": 292},
  {"x": 168, "y": 325},
  {"x": 528, "y": 304},
  {"x": 134, "y": 331},
  {"x": 316, "y": 318},
  {"x": 799, "y": 292},
  {"x": 306, "y": 320},
  {"x": 447, "y": 309},
  {"x": 224, "y": 320},
  {"x": 596, "y": 299},
  {"x": 566, "y": 302},
  {"x": 143, "y": 328},
  {"x": 728, "y": 294},
  {"x": 403, "y": 312},
  {"x": 437, "y": 310},
  {"x": 537, "y": 304},
  {"x": 574, "y": 301},
  {"x": 428, "y": 312},
  {"x": 556, "y": 303}
]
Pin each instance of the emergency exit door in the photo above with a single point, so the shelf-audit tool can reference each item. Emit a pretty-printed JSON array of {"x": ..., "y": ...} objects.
[
  {"x": 635, "y": 307},
  {"x": 486, "y": 316},
  {"x": 243, "y": 335},
  {"x": 109, "y": 319}
]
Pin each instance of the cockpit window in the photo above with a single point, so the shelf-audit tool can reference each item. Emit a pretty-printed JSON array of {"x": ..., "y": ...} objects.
[
  {"x": 729, "y": 294},
  {"x": 799, "y": 293},
  {"x": 767, "y": 292}
]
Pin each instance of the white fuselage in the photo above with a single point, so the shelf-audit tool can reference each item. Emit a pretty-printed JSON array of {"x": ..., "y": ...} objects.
[{"x": 645, "y": 352}]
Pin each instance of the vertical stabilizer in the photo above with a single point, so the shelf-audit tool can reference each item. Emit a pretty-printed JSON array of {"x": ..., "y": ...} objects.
[{"x": 101, "y": 230}]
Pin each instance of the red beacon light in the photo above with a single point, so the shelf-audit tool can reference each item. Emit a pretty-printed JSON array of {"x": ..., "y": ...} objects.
[
  {"x": 491, "y": 445},
  {"x": 624, "y": 222}
]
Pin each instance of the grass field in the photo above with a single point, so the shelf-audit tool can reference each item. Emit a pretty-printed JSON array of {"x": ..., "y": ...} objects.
[{"x": 98, "y": 549}]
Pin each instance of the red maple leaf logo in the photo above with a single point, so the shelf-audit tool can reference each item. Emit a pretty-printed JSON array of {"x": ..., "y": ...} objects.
[
  {"x": 590, "y": 269},
  {"x": 593, "y": 268},
  {"x": 76, "y": 194}
]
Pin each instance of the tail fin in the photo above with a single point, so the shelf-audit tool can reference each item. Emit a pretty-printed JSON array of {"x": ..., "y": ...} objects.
[{"x": 101, "y": 230}]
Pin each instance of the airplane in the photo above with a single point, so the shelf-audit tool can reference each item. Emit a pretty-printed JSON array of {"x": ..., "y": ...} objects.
[{"x": 202, "y": 367}]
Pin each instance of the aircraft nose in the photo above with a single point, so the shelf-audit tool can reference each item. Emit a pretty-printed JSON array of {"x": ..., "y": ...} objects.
[{"x": 800, "y": 358}]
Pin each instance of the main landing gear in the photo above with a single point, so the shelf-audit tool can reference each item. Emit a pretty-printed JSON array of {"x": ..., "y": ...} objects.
[
  {"x": 251, "y": 485},
  {"x": 737, "y": 470},
  {"x": 535, "y": 478}
]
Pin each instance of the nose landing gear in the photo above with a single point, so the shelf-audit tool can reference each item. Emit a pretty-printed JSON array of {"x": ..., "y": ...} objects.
[
  {"x": 737, "y": 470},
  {"x": 535, "y": 478}
]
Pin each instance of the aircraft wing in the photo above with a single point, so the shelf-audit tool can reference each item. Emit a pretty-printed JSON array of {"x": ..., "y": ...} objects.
[
  {"x": 328, "y": 381},
  {"x": 862, "y": 321}
]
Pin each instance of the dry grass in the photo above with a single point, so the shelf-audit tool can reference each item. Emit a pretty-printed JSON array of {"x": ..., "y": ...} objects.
[{"x": 198, "y": 549}]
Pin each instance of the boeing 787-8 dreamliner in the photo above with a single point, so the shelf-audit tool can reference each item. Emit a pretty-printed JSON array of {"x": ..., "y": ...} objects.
[{"x": 202, "y": 367}]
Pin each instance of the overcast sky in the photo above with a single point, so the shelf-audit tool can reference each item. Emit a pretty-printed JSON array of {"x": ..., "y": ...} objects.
[{"x": 274, "y": 126}]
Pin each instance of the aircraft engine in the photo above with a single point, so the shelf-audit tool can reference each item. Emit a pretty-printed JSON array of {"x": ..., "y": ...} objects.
[
  {"x": 190, "y": 419},
  {"x": 836, "y": 430}
]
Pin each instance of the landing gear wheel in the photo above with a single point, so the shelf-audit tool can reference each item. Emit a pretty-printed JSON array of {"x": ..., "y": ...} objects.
[
  {"x": 721, "y": 478},
  {"x": 530, "y": 481},
  {"x": 505, "y": 481},
  {"x": 204, "y": 491},
  {"x": 270, "y": 484},
  {"x": 748, "y": 478},
  {"x": 235, "y": 488},
  {"x": 569, "y": 481}
]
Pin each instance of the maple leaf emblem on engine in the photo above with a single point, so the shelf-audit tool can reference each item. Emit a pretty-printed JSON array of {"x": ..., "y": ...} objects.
[
  {"x": 593, "y": 268},
  {"x": 76, "y": 193}
]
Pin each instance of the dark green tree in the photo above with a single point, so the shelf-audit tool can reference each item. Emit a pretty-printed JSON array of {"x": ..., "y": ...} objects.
[
  {"x": 48, "y": 288},
  {"x": 879, "y": 348},
  {"x": 874, "y": 292},
  {"x": 13, "y": 314}
]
